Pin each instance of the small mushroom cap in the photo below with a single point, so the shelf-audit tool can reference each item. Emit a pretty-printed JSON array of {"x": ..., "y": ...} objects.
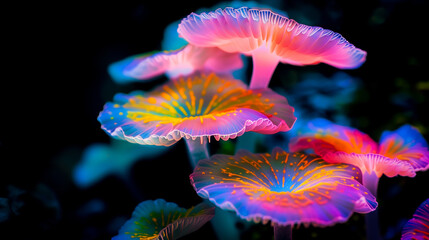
[
  {"x": 195, "y": 107},
  {"x": 118, "y": 71},
  {"x": 324, "y": 136},
  {"x": 286, "y": 188},
  {"x": 184, "y": 61},
  {"x": 418, "y": 227},
  {"x": 245, "y": 30},
  {"x": 164, "y": 220},
  {"x": 407, "y": 144},
  {"x": 401, "y": 152}
]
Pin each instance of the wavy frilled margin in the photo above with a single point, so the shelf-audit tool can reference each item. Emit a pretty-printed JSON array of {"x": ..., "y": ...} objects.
[
  {"x": 246, "y": 30},
  {"x": 284, "y": 188},
  {"x": 159, "y": 219},
  {"x": 201, "y": 106},
  {"x": 400, "y": 152}
]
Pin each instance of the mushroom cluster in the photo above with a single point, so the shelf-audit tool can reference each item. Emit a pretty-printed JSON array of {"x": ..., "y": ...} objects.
[
  {"x": 401, "y": 152},
  {"x": 202, "y": 101}
]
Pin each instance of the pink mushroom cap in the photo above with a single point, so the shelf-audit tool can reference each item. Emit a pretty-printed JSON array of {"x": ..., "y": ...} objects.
[
  {"x": 244, "y": 30},
  {"x": 182, "y": 62},
  {"x": 269, "y": 38},
  {"x": 400, "y": 152},
  {"x": 324, "y": 136}
]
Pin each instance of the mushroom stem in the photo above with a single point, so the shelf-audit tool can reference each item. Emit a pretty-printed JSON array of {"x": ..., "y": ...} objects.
[
  {"x": 370, "y": 181},
  {"x": 223, "y": 222},
  {"x": 282, "y": 232},
  {"x": 197, "y": 150},
  {"x": 264, "y": 64}
]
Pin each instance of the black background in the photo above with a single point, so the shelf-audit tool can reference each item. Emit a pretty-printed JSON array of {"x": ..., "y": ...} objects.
[{"x": 55, "y": 82}]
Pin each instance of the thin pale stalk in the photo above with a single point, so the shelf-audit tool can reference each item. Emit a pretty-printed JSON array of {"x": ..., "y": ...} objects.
[
  {"x": 197, "y": 150},
  {"x": 223, "y": 222},
  {"x": 370, "y": 181},
  {"x": 264, "y": 64}
]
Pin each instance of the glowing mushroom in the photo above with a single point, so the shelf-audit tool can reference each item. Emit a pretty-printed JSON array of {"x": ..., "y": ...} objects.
[
  {"x": 171, "y": 39},
  {"x": 406, "y": 144},
  {"x": 269, "y": 38},
  {"x": 401, "y": 152},
  {"x": 182, "y": 62},
  {"x": 196, "y": 108},
  {"x": 284, "y": 188},
  {"x": 418, "y": 227},
  {"x": 164, "y": 220}
]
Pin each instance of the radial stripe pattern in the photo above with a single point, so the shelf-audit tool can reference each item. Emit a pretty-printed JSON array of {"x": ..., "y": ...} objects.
[
  {"x": 244, "y": 30},
  {"x": 286, "y": 188},
  {"x": 161, "y": 220},
  {"x": 407, "y": 144},
  {"x": 418, "y": 227},
  {"x": 201, "y": 106}
]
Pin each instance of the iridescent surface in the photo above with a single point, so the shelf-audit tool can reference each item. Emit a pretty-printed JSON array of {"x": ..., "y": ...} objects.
[
  {"x": 244, "y": 30},
  {"x": 407, "y": 144},
  {"x": 164, "y": 220},
  {"x": 171, "y": 39},
  {"x": 417, "y": 228},
  {"x": 195, "y": 107},
  {"x": 401, "y": 152},
  {"x": 286, "y": 188},
  {"x": 324, "y": 133},
  {"x": 175, "y": 63}
]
